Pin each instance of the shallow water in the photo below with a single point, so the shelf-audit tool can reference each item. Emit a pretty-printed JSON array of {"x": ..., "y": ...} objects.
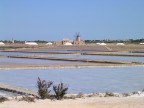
[
  {"x": 92, "y": 57},
  {"x": 24, "y": 61},
  {"x": 107, "y": 58},
  {"x": 85, "y": 80}
]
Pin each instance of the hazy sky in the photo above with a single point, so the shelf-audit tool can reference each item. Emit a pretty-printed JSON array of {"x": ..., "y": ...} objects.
[{"x": 58, "y": 19}]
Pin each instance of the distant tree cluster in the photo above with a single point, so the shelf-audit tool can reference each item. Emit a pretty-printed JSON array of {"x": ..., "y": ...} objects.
[
  {"x": 40, "y": 41},
  {"x": 136, "y": 40},
  {"x": 116, "y": 41}
]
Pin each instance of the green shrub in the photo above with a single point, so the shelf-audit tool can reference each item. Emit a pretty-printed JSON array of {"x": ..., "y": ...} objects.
[
  {"x": 43, "y": 87},
  {"x": 60, "y": 90}
]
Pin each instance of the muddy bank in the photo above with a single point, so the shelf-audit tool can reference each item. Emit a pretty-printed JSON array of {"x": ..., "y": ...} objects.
[{"x": 113, "y": 54}]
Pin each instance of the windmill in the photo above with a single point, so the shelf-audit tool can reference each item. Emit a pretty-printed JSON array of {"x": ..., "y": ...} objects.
[{"x": 77, "y": 37}]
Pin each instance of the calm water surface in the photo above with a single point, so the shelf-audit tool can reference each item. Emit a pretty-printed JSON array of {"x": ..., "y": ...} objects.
[
  {"x": 92, "y": 57},
  {"x": 24, "y": 61},
  {"x": 85, "y": 80},
  {"x": 108, "y": 58}
]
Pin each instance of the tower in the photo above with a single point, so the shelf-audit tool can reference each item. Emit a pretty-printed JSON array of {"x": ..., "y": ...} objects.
[
  {"x": 13, "y": 41},
  {"x": 78, "y": 37}
]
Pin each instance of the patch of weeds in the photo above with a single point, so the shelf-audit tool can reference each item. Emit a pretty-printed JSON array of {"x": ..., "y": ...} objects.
[
  {"x": 60, "y": 90},
  {"x": 91, "y": 95},
  {"x": 27, "y": 99},
  {"x": 43, "y": 88},
  {"x": 109, "y": 94},
  {"x": 3, "y": 99},
  {"x": 125, "y": 94},
  {"x": 134, "y": 92},
  {"x": 69, "y": 97},
  {"x": 80, "y": 95}
]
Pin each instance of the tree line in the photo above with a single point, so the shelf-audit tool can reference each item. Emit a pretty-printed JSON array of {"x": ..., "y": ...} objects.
[{"x": 117, "y": 41}]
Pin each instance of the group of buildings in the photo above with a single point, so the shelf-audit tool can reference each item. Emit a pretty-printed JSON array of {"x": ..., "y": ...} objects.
[{"x": 65, "y": 41}]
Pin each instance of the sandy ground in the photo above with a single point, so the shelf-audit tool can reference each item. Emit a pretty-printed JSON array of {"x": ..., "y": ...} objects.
[{"x": 90, "y": 102}]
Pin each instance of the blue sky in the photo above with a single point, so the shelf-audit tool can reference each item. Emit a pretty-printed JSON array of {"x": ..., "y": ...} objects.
[{"x": 58, "y": 19}]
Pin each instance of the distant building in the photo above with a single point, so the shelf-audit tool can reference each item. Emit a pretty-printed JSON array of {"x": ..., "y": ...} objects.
[
  {"x": 141, "y": 43},
  {"x": 78, "y": 38},
  {"x": 78, "y": 41},
  {"x": 49, "y": 43},
  {"x": 101, "y": 43},
  {"x": 31, "y": 43},
  {"x": 13, "y": 41},
  {"x": 98, "y": 43},
  {"x": 2, "y": 44},
  {"x": 68, "y": 44},
  {"x": 122, "y": 44},
  {"x": 66, "y": 41}
]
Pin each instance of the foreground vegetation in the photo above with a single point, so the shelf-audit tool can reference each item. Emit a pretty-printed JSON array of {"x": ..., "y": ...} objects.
[
  {"x": 44, "y": 93},
  {"x": 60, "y": 91}
]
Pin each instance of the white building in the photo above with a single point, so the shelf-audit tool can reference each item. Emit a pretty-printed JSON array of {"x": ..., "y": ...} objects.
[
  {"x": 141, "y": 43},
  {"x": 68, "y": 43},
  {"x": 31, "y": 43},
  {"x": 2, "y": 44},
  {"x": 49, "y": 43},
  {"x": 102, "y": 43},
  {"x": 98, "y": 43},
  {"x": 122, "y": 44}
]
